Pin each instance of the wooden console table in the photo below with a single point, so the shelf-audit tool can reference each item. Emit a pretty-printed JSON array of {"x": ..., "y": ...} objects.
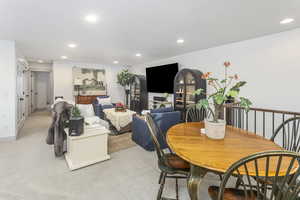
[{"x": 86, "y": 99}]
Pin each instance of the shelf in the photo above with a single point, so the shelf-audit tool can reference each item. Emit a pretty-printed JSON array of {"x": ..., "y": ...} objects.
[
  {"x": 187, "y": 84},
  {"x": 179, "y": 106},
  {"x": 179, "y": 100},
  {"x": 191, "y": 102}
]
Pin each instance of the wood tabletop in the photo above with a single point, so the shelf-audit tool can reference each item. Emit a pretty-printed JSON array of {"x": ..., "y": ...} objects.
[{"x": 187, "y": 142}]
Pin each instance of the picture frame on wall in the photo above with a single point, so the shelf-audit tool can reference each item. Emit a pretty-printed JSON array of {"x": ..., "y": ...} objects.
[{"x": 89, "y": 81}]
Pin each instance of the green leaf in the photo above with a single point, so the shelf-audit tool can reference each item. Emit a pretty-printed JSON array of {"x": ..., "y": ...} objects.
[
  {"x": 202, "y": 103},
  {"x": 232, "y": 93},
  {"x": 198, "y": 91},
  {"x": 223, "y": 81},
  {"x": 219, "y": 99},
  {"x": 212, "y": 79},
  {"x": 124, "y": 77},
  {"x": 238, "y": 85},
  {"x": 245, "y": 103},
  {"x": 76, "y": 112}
]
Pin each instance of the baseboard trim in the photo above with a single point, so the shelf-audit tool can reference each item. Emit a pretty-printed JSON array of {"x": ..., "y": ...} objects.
[{"x": 8, "y": 139}]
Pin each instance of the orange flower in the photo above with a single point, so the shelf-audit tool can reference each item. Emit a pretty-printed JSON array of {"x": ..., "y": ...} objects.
[
  {"x": 210, "y": 82},
  {"x": 206, "y": 75},
  {"x": 227, "y": 63}
]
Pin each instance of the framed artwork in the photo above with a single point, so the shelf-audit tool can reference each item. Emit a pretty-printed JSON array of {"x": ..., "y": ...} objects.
[{"x": 89, "y": 81}]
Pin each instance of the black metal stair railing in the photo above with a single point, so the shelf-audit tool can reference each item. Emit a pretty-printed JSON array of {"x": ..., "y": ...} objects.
[{"x": 260, "y": 121}]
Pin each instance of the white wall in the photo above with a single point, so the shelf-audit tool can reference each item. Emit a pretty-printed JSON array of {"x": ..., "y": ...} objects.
[
  {"x": 63, "y": 80},
  {"x": 7, "y": 90},
  {"x": 270, "y": 65}
]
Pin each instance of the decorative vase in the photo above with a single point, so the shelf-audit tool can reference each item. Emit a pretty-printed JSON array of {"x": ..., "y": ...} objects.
[
  {"x": 215, "y": 130},
  {"x": 76, "y": 127}
]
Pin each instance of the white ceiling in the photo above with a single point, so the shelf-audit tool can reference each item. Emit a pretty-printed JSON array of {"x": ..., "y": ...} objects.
[{"x": 42, "y": 29}]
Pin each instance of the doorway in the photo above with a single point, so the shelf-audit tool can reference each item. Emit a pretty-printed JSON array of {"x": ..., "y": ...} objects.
[{"x": 42, "y": 94}]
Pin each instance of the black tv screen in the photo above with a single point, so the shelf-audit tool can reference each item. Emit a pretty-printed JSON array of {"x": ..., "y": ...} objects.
[{"x": 160, "y": 79}]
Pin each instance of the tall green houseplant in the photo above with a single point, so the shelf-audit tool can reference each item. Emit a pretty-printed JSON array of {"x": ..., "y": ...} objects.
[{"x": 124, "y": 79}]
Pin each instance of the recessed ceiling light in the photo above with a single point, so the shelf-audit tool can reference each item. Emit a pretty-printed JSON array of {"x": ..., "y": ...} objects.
[
  {"x": 116, "y": 62},
  {"x": 91, "y": 18},
  {"x": 180, "y": 41},
  {"x": 287, "y": 21},
  {"x": 138, "y": 55},
  {"x": 40, "y": 61},
  {"x": 64, "y": 57},
  {"x": 72, "y": 45}
]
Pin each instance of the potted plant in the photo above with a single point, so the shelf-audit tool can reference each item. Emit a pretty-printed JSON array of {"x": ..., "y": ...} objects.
[
  {"x": 223, "y": 90},
  {"x": 76, "y": 122},
  {"x": 124, "y": 79}
]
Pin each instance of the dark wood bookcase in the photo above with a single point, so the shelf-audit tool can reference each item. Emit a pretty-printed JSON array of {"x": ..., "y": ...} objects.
[
  {"x": 185, "y": 83},
  {"x": 138, "y": 94}
]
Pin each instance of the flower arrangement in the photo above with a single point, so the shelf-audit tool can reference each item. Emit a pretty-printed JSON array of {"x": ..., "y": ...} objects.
[{"x": 223, "y": 90}]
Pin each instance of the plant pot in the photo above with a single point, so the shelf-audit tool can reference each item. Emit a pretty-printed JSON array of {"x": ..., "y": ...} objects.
[
  {"x": 76, "y": 126},
  {"x": 215, "y": 130}
]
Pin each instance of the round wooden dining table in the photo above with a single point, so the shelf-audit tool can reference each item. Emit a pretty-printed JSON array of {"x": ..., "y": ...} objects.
[{"x": 209, "y": 155}]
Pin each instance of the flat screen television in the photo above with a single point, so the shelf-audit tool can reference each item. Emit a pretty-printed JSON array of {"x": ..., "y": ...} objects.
[{"x": 160, "y": 79}]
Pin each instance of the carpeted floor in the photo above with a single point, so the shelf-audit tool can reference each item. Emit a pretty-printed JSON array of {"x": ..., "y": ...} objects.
[
  {"x": 115, "y": 142},
  {"x": 30, "y": 171}
]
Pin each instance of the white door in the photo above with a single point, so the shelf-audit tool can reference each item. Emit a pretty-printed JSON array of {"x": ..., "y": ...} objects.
[
  {"x": 27, "y": 93},
  {"x": 20, "y": 95},
  {"x": 33, "y": 92},
  {"x": 42, "y": 88}
]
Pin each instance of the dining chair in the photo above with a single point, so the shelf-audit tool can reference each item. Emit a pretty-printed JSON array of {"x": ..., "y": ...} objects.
[
  {"x": 287, "y": 135},
  {"x": 170, "y": 165},
  {"x": 195, "y": 114},
  {"x": 268, "y": 166}
]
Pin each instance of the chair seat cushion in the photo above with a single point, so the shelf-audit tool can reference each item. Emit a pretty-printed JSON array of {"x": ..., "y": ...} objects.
[
  {"x": 176, "y": 162},
  {"x": 230, "y": 194}
]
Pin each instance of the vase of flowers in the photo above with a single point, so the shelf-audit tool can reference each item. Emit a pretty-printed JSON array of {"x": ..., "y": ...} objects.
[{"x": 223, "y": 90}]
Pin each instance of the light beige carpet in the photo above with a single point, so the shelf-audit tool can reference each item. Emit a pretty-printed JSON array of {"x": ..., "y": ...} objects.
[
  {"x": 119, "y": 142},
  {"x": 30, "y": 171},
  {"x": 41, "y": 120}
]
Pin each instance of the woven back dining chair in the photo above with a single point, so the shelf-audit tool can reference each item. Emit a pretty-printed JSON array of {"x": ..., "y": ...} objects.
[
  {"x": 277, "y": 168},
  {"x": 287, "y": 135},
  {"x": 195, "y": 114},
  {"x": 170, "y": 165}
]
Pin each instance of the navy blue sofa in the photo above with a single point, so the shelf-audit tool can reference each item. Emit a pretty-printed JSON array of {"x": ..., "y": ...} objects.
[
  {"x": 164, "y": 119},
  {"x": 98, "y": 108}
]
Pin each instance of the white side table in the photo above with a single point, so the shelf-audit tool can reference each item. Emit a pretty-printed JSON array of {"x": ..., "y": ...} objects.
[{"x": 88, "y": 148}]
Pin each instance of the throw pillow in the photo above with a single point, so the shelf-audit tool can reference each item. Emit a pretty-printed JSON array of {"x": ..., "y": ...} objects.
[
  {"x": 104, "y": 101},
  {"x": 86, "y": 110}
]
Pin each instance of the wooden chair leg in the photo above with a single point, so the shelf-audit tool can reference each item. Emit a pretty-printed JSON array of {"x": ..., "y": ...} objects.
[{"x": 162, "y": 185}]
